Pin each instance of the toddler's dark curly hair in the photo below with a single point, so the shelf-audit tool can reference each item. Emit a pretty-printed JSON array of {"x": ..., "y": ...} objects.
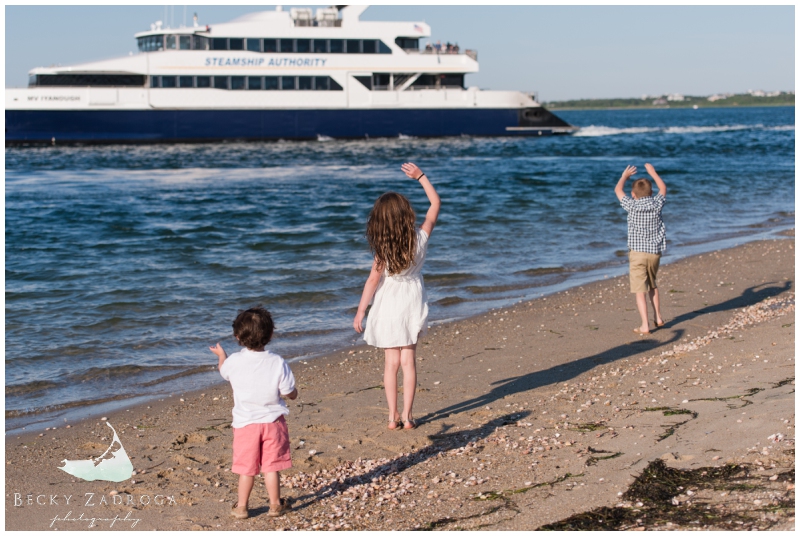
[{"x": 253, "y": 328}]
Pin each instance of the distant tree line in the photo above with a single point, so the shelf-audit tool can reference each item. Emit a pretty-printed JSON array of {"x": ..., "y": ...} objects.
[{"x": 717, "y": 101}]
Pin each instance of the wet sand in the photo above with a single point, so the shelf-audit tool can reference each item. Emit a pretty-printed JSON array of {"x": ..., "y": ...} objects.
[{"x": 527, "y": 416}]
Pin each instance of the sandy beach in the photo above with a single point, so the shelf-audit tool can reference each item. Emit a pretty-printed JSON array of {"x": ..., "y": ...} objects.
[{"x": 550, "y": 412}]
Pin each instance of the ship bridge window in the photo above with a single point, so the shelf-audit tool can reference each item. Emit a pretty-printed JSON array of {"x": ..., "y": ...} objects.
[
  {"x": 185, "y": 42},
  {"x": 254, "y": 45},
  {"x": 408, "y": 43},
  {"x": 150, "y": 43},
  {"x": 101, "y": 80},
  {"x": 172, "y": 42},
  {"x": 236, "y": 44}
]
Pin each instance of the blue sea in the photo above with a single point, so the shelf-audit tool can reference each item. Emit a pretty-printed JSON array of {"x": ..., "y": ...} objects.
[{"x": 124, "y": 263}]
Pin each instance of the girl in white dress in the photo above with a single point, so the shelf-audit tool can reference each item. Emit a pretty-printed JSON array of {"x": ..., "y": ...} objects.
[{"x": 395, "y": 287}]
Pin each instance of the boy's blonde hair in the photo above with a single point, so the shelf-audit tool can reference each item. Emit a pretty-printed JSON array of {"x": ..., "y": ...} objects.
[
  {"x": 391, "y": 233},
  {"x": 642, "y": 188}
]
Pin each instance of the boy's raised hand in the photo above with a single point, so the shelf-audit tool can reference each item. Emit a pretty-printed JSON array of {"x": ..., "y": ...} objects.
[
  {"x": 411, "y": 170},
  {"x": 650, "y": 169},
  {"x": 630, "y": 170}
]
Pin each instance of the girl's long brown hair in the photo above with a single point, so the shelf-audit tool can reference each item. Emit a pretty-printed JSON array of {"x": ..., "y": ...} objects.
[{"x": 391, "y": 233}]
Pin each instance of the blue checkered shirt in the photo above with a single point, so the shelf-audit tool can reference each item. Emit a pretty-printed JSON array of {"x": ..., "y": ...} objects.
[{"x": 646, "y": 232}]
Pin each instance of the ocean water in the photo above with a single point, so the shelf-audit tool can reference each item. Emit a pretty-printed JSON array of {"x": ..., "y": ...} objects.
[{"x": 124, "y": 263}]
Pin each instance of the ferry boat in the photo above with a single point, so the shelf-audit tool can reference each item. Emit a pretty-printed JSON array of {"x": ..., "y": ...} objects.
[{"x": 278, "y": 74}]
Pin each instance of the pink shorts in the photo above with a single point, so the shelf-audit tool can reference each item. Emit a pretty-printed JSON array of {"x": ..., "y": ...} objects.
[{"x": 261, "y": 447}]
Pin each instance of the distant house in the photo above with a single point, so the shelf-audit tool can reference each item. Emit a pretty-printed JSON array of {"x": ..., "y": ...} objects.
[
  {"x": 660, "y": 101},
  {"x": 718, "y": 96},
  {"x": 675, "y": 97}
]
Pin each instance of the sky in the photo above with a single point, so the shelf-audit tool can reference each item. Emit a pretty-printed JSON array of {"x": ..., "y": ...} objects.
[{"x": 560, "y": 52}]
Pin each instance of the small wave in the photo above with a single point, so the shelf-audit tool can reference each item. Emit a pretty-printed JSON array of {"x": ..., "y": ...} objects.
[
  {"x": 30, "y": 387},
  {"x": 449, "y": 300},
  {"x": 405, "y": 137},
  {"x": 95, "y": 373},
  {"x": 542, "y": 271},
  {"x": 599, "y": 130},
  {"x": 321, "y": 137},
  {"x": 593, "y": 131},
  {"x": 704, "y": 130}
]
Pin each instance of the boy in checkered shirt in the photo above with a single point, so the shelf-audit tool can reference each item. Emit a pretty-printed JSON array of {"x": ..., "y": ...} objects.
[{"x": 647, "y": 239}]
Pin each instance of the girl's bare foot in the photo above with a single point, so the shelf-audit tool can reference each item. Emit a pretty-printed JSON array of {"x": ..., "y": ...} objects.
[{"x": 408, "y": 423}]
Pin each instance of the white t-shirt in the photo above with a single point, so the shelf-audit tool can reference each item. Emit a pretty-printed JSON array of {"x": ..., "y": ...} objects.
[{"x": 258, "y": 379}]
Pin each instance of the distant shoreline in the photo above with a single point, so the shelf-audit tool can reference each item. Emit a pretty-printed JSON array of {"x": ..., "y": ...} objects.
[
  {"x": 569, "y": 109},
  {"x": 662, "y": 103}
]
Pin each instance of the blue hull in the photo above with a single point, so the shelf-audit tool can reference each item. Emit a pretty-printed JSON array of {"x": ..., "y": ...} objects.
[{"x": 171, "y": 126}]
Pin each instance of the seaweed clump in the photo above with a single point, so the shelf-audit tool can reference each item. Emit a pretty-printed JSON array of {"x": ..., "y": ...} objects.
[{"x": 668, "y": 497}]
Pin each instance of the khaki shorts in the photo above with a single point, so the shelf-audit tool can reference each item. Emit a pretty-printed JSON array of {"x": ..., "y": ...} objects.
[{"x": 644, "y": 267}]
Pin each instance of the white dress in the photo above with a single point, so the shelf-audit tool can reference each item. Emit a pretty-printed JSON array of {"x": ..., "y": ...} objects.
[{"x": 399, "y": 312}]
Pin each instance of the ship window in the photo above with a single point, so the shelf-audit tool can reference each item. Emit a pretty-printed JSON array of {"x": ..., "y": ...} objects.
[
  {"x": 305, "y": 82},
  {"x": 365, "y": 80},
  {"x": 221, "y": 82},
  {"x": 185, "y": 81},
  {"x": 407, "y": 43},
  {"x": 154, "y": 81},
  {"x": 424, "y": 81},
  {"x": 321, "y": 83},
  {"x": 151, "y": 43},
  {"x": 107, "y": 80},
  {"x": 287, "y": 45},
  {"x": 253, "y": 82},
  {"x": 304, "y": 45},
  {"x": 337, "y": 46},
  {"x": 200, "y": 42},
  {"x": 321, "y": 46},
  {"x": 353, "y": 46},
  {"x": 287, "y": 82},
  {"x": 237, "y": 82},
  {"x": 219, "y": 43},
  {"x": 452, "y": 80},
  {"x": 369, "y": 46},
  {"x": 334, "y": 85},
  {"x": 271, "y": 82},
  {"x": 383, "y": 49},
  {"x": 172, "y": 42},
  {"x": 203, "y": 81},
  {"x": 380, "y": 81},
  {"x": 185, "y": 42},
  {"x": 254, "y": 45},
  {"x": 168, "y": 81},
  {"x": 236, "y": 44},
  {"x": 270, "y": 45}
]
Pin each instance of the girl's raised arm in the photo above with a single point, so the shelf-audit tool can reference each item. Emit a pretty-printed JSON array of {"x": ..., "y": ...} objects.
[{"x": 433, "y": 212}]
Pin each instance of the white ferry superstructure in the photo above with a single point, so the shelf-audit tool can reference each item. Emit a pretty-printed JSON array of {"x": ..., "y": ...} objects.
[{"x": 294, "y": 74}]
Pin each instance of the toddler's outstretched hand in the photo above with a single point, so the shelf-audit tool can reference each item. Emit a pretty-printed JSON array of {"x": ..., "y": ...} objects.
[
  {"x": 218, "y": 351},
  {"x": 411, "y": 170}
]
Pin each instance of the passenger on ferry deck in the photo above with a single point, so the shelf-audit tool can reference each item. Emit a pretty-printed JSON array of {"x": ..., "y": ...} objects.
[
  {"x": 428, "y": 47},
  {"x": 449, "y": 47},
  {"x": 455, "y": 48},
  {"x": 438, "y": 46}
]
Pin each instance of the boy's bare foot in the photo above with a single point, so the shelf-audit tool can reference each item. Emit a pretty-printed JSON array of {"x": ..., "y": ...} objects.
[{"x": 239, "y": 512}]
